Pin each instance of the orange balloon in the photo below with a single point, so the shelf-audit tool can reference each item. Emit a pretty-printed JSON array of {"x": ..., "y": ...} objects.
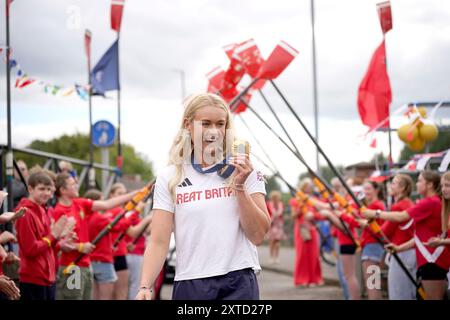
[
  {"x": 406, "y": 134},
  {"x": 416, "y": 145},
  {"x": 428, "y": 132}
]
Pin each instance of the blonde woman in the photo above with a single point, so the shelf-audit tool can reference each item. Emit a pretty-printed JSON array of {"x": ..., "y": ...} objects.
[
  {"x": 276, "y": 232},
  {"x": 445, "y": 237},
  {"x": 218, "y": 218}
]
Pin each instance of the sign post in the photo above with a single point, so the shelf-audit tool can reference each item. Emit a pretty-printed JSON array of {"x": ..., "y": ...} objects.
[{"x": 103, "y": 136}]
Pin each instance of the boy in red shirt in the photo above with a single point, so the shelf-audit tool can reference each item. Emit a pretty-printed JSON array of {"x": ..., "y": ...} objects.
[
  {"x": 37, "y": 237},
  {"x": 77, "y": 284}
]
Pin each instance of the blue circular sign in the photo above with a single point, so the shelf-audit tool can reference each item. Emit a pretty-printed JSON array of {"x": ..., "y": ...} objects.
[{"x": 103, "y": 134}]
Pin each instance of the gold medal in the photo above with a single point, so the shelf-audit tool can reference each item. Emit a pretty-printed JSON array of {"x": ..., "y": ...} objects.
[{"x": 240, "y": 147}]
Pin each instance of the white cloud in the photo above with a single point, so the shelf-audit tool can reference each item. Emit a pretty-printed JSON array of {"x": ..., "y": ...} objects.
[{"x": 159, "y": 36}]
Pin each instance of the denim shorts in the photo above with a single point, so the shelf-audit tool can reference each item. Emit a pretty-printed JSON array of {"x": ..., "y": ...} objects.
[
  {"x": 372, "y": 251},
  {"x": 104, "y": 272}
]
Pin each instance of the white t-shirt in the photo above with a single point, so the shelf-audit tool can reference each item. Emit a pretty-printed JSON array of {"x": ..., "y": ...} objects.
[{"x": 209, "y": 238}]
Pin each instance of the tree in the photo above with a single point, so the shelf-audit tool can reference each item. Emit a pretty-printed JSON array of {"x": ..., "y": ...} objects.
[
  {"x": 77, "y": 146},
  {"x": 441, "y": 143},
  {"x": 325, "y": 173},
  {"x": 272, "y": 184}
]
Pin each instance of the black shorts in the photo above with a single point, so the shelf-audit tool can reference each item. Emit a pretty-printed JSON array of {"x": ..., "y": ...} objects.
[
  {"x": 120, "y": 263},
  {"x": 431, "y": 271},
  {"x": 347, "y": 249}
]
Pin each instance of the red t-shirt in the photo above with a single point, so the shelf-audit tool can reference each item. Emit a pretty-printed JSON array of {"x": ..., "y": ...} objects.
[
  {"x": 37, "y": 260},
  {"x": 140, "y": 243},
  {"x": 342, "y": 237},
  {"x": 427, "y": 222},
  {"x": 402, "y": 232},
  {"x": 103, "y": 249},
  {"x": 80, "y": 209},
  {"x": 366, "y": 236},
  {"x": 352, "y": 224},
  {"x": 120, "y": 227}
]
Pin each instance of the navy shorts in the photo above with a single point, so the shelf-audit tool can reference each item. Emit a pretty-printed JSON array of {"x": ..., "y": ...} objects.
[
  {"x": 30, "y": 291},
  {"x": 120, "y": 263},
  {"x": 235, "y": 285},
  {"x": 347, "y": 249},
  {"x": 431, "y": 271}
]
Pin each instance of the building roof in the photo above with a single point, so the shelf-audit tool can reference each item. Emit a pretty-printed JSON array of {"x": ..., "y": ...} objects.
[{"x": 361, "y": 165}]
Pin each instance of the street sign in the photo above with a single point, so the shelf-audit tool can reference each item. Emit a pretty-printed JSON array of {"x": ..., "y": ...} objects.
[{"x": 103, "y": 134}]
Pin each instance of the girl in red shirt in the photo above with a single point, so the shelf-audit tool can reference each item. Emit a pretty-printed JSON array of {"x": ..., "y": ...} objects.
[
  {"x": 124, "y": 227},
  {"x": 400, "y": 286},
  {"x": 372, "y": 252},
  {"x": 433, "y": 263},
  {"x": 102, "y": 256},
  {"x": 444, "y": 239}
]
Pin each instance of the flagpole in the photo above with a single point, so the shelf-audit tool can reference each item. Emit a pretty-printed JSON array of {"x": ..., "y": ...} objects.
[
  {"x": 316, "y": 107},
  {"x": 91, "y": 176},
  {"x": 385, "y": 17},
  {"x": 279, "y": 121},
  {"x": 9, "y": 154},
  {"x": 119, "y": 145},
  {"x": 390, "y": 161}
]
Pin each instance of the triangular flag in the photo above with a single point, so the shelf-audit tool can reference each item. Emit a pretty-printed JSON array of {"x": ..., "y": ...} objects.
[
  {"x": 374, "y": 93},
  {"x": 116, "y": 14},
  {"x": 279, "y": 59}
]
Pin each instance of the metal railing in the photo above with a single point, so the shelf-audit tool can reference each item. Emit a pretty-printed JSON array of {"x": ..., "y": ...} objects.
[{"x": 51, "y": 163}]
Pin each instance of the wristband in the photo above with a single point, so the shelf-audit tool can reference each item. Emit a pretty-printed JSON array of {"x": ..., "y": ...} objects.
[
  {"x": 80, "y": 247},
  {"x": 49, "y": 242},
  {"x": 378, "y": 213}
]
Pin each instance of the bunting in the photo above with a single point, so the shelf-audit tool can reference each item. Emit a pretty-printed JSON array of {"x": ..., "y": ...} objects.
[{"x": 23, "y": 80}]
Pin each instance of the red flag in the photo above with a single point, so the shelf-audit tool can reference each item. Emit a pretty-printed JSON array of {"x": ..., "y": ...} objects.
[
  {"x": 259, "y": 84},
  {"x": 215, "y": 80},
  {"x": 232, "y": 77},
  {"x": 87, "y": 45},
  {"x": 374, "y": 94},
  {"x": 119, "y": 162},
  {"x": 116, "y": 14},
  {"x": 250, "y": 56},
  {"x": 8, "y": 4},
  {"x": 278, "y": 60},
  {"x": 229, "y": 49},
  {"x": 384, "y": 13},
  {"x": 24, "y": 81},
  {"x": 242, "y": 107}
]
